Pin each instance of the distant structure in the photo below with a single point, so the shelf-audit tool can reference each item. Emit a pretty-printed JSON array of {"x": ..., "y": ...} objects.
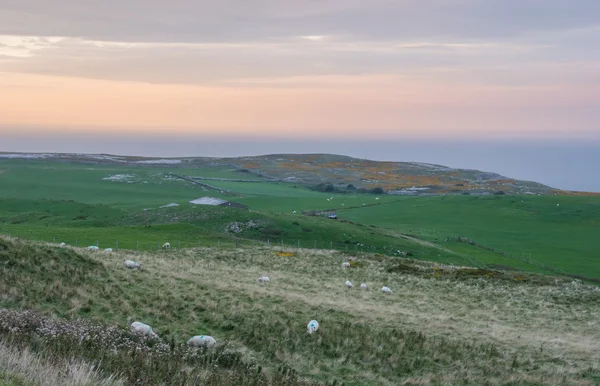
[{"x": 217, "y": 202}]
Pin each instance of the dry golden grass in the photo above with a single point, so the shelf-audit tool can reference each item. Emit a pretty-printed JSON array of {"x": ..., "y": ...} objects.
[
  {"x": 542, "y": 331},
  {"x": 27, "y": 368}
]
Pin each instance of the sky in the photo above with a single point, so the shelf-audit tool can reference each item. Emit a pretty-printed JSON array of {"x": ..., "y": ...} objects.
[{"x": 308, "y": 74}]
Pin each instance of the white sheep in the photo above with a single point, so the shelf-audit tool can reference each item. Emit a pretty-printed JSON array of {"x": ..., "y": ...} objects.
[
  {"x": 312, "y": 326},
  {"x": 348, "y": 284},
  {"x": 130, "y": 264},
  {"x": 386, "y": 290},
  {"x": 201, "y": 341},
  {"x": 62, "y": 245},
  {"x": 345, "y": 264},
  {"x": 144, "y": 329},
  {"x": 108, "y": 250},
  {"x": 363, "y": 286},
  {"x": 263, "y": 279},
  {"x": 92, "y": 248},
  {"x": 166, "y": 245}
]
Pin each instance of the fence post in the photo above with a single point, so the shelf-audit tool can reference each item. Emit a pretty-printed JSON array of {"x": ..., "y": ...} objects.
[
  {"x": 331, "y": 244},
  {"x": 298, "y": 243},
  {"x": 54, "y": 239},
  {"x": 179, "y": 245},
  {"x": 268, "y": 243},
  {"x": 346, "y": 247},
  {"x": 219, "y": 243}
]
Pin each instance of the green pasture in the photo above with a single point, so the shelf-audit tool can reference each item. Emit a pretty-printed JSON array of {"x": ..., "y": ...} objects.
[
  {"x": 563, "y": 236},
  {"x": 67, "y": 202}
]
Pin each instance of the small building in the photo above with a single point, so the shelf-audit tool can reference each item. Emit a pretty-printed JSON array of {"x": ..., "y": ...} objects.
[{"x": 212, "y": 201}]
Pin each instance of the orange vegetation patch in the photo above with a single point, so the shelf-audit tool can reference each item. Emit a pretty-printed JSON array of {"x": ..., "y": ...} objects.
[
  {"x": 579, "y": 194},
  {"x": 298, "y": 166},
  {"x": 285, "y": 254}
]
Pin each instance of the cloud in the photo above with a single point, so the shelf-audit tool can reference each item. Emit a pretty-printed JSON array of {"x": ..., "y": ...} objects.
[
  {"x": 458, "y": 64},
  {"x": 237, "y": 20}
]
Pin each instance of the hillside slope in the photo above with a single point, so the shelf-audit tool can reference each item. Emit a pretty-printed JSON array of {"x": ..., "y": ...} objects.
[
  {"x": 441, "y": 325},
  {"x": 405, "y": 178}
]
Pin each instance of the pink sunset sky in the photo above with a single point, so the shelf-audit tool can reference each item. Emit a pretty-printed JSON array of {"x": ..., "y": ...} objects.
[{"x": 302, "y": 68}]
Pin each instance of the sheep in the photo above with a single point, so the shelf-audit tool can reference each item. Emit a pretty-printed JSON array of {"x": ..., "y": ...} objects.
[
  {"x": 363, "y": 286},
  {"x": 108, "y": 250},
  {"x": 386, "y": 290},
  {"x": 263, "y": 279},
  {"x": 62, "y": 245},
  {"x": 348, "y": 284},
  {"x": 201, "y": 341},
  {"x": 144, "y": 329},
  {"x": 345, "y": 264},
  {"x": 312, "y": 326},
  {"x": 92, "y": 248},
  {"x": 166, "y": 245},
  {"x": 130, "y": 264}
]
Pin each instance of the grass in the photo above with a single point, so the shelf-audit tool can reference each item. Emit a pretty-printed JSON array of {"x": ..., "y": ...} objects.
[
  {"x": 77, "y": 205},
  {"x": 563, "y": 237},
  {"x": 19, "y": 366},
  {"x": 442, "y": 325}
]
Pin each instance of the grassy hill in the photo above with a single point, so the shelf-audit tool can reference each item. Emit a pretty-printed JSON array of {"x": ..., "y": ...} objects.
[
  {"x": 109, "y": 202},
  {"x": 310, "y": 169},
  {"x": 441, "y": 325}
]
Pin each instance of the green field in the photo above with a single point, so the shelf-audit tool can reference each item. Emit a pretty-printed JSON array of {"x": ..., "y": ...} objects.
[
  {"x": 484, "y": 288},
  {"x": 78, "y": 203}
]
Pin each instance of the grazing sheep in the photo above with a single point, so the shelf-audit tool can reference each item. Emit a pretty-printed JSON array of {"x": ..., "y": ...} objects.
[
  {"x": 345, "y": 264},
  {"x": 312, "y": 326},
  {"x": 108, "y": 250},
  {"x": 363, "y": 286},
  {"x": 386, "y": 290},
  {"x": 92, "y": 248},
  {"x": 62, "y": 245},
  {"x": 201, "y": 341},
  {"x": 144, "y": 329},
  {"x": 130, "y": 264},
  {"x": 263, "y": 279},
  {"x": 166, "y": 245},
  {"x": 348, "y": 284}
]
